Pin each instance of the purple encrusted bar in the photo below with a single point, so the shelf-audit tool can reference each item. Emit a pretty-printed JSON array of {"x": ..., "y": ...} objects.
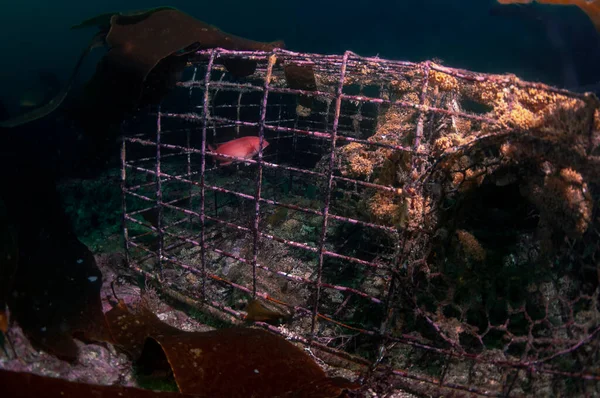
[
  {"x": 193, "y": 117},
  {"x": 159, "y": 193},
  {"x": 338, "y": 105},
  {"x": 259, "y": 171},
  {"x": 364, "y": 99},
  {"x": 202, "y": 215},
  {"x": 407, "y": 339},
  {"x": 392, "y": 66},
  {"x": 124, "y": 201},
  {"x": 271, "y": 165},
  {"x": 293, "y": 278},
  {"x": 278, "y": 239},
  {"x": 241, "y": 228},
  {"x": 269, "y": 201}
]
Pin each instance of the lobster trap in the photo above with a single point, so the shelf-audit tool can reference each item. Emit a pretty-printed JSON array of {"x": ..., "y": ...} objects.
[{"x": 437, "y": 226}]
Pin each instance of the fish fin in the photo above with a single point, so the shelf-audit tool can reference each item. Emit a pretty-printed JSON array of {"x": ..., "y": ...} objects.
[
  {"x": 277, "y": 44},
  {"x": 259, "y": 312}
]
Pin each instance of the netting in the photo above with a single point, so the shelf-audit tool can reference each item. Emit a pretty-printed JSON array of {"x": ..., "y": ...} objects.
[{"x": 436, "y": 226}]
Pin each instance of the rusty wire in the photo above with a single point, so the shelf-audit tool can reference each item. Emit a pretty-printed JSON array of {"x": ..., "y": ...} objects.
[{"x": 407, "y": 271}]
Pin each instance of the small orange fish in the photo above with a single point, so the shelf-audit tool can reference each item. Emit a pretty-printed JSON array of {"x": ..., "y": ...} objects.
[{"x": 245, "y": 147}]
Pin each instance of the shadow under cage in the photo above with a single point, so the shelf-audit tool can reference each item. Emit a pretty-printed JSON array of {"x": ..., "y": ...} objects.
[{"x": 436, "y": 226}]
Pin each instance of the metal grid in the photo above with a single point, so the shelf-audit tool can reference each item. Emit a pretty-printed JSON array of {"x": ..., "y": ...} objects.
[{"x": 181, "y": 228}]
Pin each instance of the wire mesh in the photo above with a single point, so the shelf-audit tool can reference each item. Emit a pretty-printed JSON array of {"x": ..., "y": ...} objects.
[{"x": 436, "y": 226}]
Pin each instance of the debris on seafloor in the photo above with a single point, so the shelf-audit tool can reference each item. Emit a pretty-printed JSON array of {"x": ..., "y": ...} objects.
[
  {"x": 26, "y": 385},
  {"x": 590, "y": 7}
]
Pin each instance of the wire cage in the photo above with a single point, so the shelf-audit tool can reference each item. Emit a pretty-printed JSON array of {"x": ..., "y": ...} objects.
[{"x": 436, "y": 226}]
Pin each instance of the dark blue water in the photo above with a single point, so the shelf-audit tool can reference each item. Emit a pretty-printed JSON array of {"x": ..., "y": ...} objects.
[{"x": 461, "y": 33}]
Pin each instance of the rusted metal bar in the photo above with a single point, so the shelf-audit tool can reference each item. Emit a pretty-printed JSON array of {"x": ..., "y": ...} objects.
[{"x": 188, "y": 158}]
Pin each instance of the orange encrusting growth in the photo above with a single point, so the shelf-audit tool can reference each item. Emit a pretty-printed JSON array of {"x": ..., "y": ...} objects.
[{"x": 591, "y": 8}]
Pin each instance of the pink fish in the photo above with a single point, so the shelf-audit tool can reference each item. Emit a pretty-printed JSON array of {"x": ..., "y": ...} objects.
[{"x": 245, "y": 147}]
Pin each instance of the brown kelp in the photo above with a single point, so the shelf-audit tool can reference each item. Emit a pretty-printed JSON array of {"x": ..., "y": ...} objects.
[
  {"x": 55, "y": 102},
  {"x": 590, "y": 7},
  {"x": 232, "y": 362},
  {"x": 56, "y": 294},
  {"x": 49, "y": 279},
  {"x": 9, "y": 255},
  {"x": 155, "y": 40},
  {"x": 147, "y": 53}
]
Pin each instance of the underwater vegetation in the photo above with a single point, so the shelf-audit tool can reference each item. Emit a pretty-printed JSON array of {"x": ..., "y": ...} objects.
[
  {"x": 50, "y": 281},
  {"x": 147, "y": 52},
  {"x": 123, "y": 75},
  {"x": 257, "y": 362}
]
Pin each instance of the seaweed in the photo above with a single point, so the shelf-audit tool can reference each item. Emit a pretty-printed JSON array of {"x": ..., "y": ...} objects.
[
  {"x": 591, "y": 8},
  {"x": 231, "y": 362}
]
